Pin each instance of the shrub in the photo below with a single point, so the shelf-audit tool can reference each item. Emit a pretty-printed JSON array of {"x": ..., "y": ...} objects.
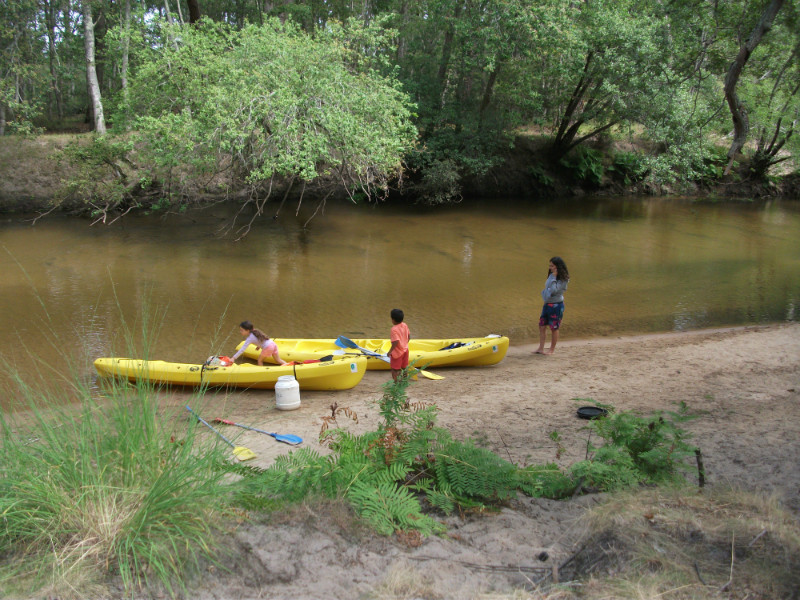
[{"x": 585, "y": 164}]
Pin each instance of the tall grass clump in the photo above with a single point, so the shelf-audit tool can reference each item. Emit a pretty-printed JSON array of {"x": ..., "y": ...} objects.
[{"x": 94, "y": 489}]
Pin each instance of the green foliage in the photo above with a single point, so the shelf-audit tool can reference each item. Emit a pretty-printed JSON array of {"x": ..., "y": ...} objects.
[
  {"x": 476, "y": 71},
  {"x": 386, "y": 474},
  {"x": 539, "y": 173},
  {"x": 21, "y": 48},
  {"x": 108, "y": 489},
  {"x": 98, "y": 172},
  {"x": 440, "y": 183},
  {"x": 713, "y": 164},
  {"x": 637, "y": 449},
  {"x": 545, "y": 481},
  {"x": 270, "y": 101},
  {"x": 389, "y": 507},
  {"x": 472, "y": 473},
  {"x": 629, "y": 167},
  {"x": 586, "y": 164}
]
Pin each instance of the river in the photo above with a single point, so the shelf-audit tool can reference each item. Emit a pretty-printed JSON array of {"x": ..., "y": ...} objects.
[{"x": 175, "y": 287}]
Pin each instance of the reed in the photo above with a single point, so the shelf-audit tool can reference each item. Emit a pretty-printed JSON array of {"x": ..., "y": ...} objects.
[{"x": 101, "y": 488}]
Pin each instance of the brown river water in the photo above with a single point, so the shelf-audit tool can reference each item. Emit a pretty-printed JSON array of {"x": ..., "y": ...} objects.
[{"x": 175, "y": 287}]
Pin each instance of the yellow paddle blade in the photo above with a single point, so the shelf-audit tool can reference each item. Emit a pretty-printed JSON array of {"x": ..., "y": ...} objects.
[
  {"x": 428, "y": 374},
  {"x": 243, "y": 453}
]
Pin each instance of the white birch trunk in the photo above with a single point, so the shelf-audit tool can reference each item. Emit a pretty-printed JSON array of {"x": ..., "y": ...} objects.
[
  {"x": 91, "y": 70},
  {"x": 126, "y": 43}
]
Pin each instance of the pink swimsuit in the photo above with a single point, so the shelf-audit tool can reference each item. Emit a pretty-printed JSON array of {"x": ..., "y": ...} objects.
[{"x": 268, "y": 347}]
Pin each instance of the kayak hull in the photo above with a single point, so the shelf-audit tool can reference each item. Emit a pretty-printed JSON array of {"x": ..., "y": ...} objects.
[
  {"x": 341, "y": 373},
  {"x": 455, "y": 352}
]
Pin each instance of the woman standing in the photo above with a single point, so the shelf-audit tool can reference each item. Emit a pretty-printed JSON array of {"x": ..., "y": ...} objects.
[{"x": 553, "y": 309}]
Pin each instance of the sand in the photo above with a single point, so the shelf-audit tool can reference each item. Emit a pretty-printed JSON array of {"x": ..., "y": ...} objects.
[{"x": 743, "y": 383}]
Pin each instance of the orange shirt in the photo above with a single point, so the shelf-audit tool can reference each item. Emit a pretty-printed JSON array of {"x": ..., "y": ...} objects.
[{"x": 400, "y": 334}]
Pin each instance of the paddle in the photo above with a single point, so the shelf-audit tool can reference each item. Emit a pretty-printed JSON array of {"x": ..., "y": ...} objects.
[
  {"x": 344, "y": 342},
  {"x": 286, "y": 438},
  {"x": 239, "y": 452}
]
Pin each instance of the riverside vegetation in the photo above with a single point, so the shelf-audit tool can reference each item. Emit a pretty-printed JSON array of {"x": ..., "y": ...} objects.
[
  {"x": 301, "y": 101},
  {"x": 118, "y": 490}
]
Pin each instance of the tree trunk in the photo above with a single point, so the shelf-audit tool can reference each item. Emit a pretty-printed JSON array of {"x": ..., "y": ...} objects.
[
  {"x": 126, "y": 43},
  {"x": 2, "y": 119},
  {"x": 567, "y": 129},
  {"x": 447, "y": 49},
  {"x": 487, "y": 94},
  {"x": 100, "y": 51},
  {"x": 91, "y": 70},
  {"x": 401, "y": 43},
  {"x": 741, "y": 124},
  {"x": 50, "y": 18},
  {"x": 194, "y": 11}
]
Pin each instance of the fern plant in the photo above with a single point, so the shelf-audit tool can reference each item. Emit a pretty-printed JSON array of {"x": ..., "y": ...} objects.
[
  {"x": 637, "y": 449},
  {"x": 396, "y": 476}
]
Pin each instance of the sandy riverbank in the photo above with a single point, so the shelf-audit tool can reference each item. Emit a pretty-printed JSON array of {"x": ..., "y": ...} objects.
[{"x": 744, "y": 385}]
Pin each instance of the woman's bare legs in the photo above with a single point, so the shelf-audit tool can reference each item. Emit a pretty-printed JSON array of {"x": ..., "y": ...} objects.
[
  {"x": 553, "y": 341},
  {"x": 543, "y": 337}
]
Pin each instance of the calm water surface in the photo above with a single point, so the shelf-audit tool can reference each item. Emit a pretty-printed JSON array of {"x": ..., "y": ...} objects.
[{"x": 71, "y": 290}]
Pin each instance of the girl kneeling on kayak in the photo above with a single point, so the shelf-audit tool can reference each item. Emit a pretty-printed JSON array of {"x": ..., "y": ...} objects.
[{"x": 260, "y": 339}]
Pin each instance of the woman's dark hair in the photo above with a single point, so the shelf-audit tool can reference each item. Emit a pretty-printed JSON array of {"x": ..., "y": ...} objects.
[
  {"x": 248, "y": 326},
  {"x": 397, "y": 315},
  {"x": 561, "y": 267}
]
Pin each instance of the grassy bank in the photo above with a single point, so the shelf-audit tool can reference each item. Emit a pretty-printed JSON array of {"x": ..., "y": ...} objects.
[
  {"x": 104, "y": 492},
  {"x": 35, "y": 175},
  {"x": 31, "y": 173},
  {"x": 108, "y": 496}
]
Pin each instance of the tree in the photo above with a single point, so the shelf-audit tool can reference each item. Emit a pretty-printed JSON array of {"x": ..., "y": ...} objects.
[
  {"x": 91, "y": 70},
  {"x": 270, "y": 104},
  {"x": 777, "y": 109},
  {"x": 741, "y": 124},
  {"x": 19, "y": 49},
  {"x": 606, "y": 69}
]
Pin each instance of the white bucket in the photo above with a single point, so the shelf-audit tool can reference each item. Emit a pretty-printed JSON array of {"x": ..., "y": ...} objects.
[{"x": 287, "y": 393}]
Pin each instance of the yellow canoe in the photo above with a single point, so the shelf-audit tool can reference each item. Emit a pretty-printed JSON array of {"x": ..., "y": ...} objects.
[
  {"x": 340, "y": 373},
  {"x": 456, "y": 352}
]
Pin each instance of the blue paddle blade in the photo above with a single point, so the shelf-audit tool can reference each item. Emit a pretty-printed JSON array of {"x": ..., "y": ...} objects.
[
  {"x": 344, "y": 342},
  {"x": 287, "y": 438}
]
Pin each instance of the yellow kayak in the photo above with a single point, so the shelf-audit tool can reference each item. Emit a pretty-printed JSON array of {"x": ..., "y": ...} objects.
[
  {"x": 340, "y": 373},
  {"x": 456, "y": 352}
]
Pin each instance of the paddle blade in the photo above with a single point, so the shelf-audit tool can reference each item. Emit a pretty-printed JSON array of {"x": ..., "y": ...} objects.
[
  {"x": 344, "y": 342},
  {"x": 288, "y": 438},
  {"x": 430, "y": 375},
  {"x": 243, "y": 453}
]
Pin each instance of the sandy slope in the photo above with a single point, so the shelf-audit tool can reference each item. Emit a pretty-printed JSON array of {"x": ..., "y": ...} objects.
[{"x": 744, "y": 384}]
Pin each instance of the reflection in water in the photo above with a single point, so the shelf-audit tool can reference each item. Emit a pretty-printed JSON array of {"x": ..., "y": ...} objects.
[{"x": 637, "y": 265}]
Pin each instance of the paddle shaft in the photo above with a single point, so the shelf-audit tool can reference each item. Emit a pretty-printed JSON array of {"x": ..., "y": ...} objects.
[
  {"x": 199, "y": 418},
  {"x": 348, "y": 343},
  {"x": 287, "y": 438}
]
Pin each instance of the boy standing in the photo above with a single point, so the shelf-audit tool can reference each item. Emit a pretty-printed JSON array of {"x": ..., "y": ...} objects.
[{"x": 398, "y": 353}]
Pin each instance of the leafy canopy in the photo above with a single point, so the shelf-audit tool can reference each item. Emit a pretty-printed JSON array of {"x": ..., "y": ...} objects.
[{"x": 271, "y": 101}]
